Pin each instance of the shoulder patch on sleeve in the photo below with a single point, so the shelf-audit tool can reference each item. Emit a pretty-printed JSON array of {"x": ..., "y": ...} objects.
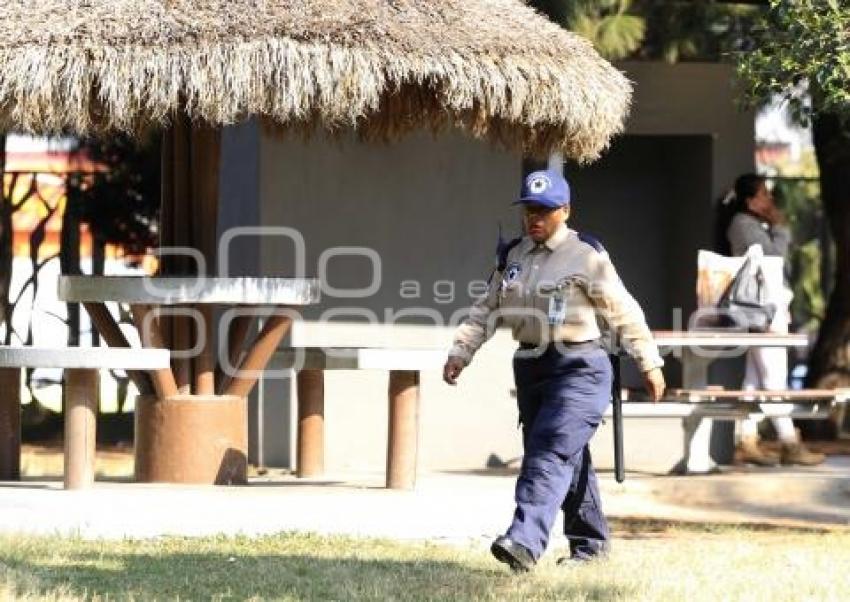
[{"x": 592, "y": 241}]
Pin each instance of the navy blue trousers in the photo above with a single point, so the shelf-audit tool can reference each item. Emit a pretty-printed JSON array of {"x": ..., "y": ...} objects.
[{"x": 561, "y": 396}]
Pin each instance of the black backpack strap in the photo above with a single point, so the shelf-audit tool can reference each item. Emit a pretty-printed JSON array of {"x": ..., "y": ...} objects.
[{"x": 502, "y": 250}]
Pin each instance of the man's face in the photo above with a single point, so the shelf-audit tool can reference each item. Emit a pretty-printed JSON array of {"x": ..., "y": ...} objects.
[{"x": 541, "y": 221}]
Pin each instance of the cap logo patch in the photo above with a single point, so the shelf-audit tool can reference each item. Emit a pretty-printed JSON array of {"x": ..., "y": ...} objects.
[{"x": 539, "y": 183}]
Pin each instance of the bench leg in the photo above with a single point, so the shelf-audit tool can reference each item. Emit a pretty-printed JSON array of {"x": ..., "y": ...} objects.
[
  {"x": 697, "y": 445},
  {"x": 697, "y": 457},
  {"x": 403, "y": 433},
  {"x": 10, "y": 424},
  {"x": 81, "y": 392},
  {"x": 310, "y": 460}
]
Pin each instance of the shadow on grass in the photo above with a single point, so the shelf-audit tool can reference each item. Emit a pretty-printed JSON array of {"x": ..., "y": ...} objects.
[{"x": 347, "y": 575}]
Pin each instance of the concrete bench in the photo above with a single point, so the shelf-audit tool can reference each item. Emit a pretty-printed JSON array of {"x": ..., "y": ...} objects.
[
  {"x": 697, "y": 406},
  {"x": 81, "y": 365},
  {"x": 715, "y": 403},
  {"x": 694, "y": 406},
  {"x": 404, "y": 366}
]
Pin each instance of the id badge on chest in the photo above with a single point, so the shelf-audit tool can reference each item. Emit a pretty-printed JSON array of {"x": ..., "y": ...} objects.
[{"x": 557, "y": 310}]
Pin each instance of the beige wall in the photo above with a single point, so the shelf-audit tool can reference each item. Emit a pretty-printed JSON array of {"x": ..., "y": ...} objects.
[
  {"x": 430, "y": 208},
  {"x": 694, "y": 98}
]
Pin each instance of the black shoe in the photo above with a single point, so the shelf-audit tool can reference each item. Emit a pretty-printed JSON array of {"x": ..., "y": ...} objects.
[
  {"x": 513, "y": 554},
  {"x": 571, "y": 562}
]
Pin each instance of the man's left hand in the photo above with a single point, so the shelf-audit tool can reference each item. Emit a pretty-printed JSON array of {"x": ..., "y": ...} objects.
[{"x": 654, "y": 382}]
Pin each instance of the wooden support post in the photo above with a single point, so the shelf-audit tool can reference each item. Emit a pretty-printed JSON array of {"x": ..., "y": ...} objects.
[
  {"x": 311, "y": 423},
  {"x": 191, "y": 159},
  {"x": 163, "y": 379},
  {"x": 258, "y": 355},
  {"x": 176, "y": 214},
  {"x": 111, "y": 333},
  {"x": 205, "y": 361},
  {"x": 181, "y": 337},
  {"x": 403, "y": 432},
  {"x": 237, "y": 335},
  {"x": 240, "y": 328},
  {"x": 10, "y": 424},
  {"x": 81, "y": 390}
]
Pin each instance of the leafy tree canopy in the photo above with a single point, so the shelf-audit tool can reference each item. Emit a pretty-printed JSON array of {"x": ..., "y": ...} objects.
[
  {"x": 802, "y": 48},
  {"x": 121, "y": 202},
  {"x": 668, "y": 30}
]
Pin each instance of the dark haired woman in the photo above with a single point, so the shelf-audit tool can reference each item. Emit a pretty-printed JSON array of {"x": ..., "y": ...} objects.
[{"x": 752, "y": 218}]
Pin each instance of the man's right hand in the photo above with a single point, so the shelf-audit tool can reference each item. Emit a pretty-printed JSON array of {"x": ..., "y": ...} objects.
[
  {"x": 454, "y": 366},
  {"x": 654, "y": 383}
]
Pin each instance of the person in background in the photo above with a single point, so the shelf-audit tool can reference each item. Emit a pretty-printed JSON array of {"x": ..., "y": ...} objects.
[{"x": 750, "y": 216}]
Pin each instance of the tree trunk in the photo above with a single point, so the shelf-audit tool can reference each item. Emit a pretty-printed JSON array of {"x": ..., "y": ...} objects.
[
  {"x": 69, "y": 254},
  {"x": 98, "y": 265},
  {"x": 829, "y": 364},
  {"x": 7, "y": 240}
]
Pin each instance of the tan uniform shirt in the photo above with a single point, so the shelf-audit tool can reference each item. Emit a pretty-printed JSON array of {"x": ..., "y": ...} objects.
[{"x": 559, "y": 290}]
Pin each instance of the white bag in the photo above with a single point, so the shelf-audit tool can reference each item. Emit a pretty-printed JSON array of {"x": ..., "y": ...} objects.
[{"x": 715, "y": 272}]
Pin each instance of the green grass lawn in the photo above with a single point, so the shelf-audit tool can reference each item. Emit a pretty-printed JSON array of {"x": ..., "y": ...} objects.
[{"x": 650, "y": 562}]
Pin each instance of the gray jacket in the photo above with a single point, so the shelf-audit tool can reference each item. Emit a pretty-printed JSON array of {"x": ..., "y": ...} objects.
[{"x": 747, "y": 229}]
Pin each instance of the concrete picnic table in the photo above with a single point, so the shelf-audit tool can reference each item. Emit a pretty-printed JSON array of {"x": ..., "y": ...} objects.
[
  {"x": 191, "y": 417},
  {"x": 404, "y": 366},
  {"x": 698, "y": 350}
]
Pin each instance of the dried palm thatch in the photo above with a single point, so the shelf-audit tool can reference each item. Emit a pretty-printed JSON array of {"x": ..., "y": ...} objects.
[{"x": 493, "y": 67}]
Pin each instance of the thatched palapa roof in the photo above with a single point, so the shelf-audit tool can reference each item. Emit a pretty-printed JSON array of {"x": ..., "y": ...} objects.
[{"x": 494, "y": 67}]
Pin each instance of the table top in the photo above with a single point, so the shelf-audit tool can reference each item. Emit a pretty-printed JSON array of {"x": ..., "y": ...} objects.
[
  {"x": 168, "y": 290},
  {"x": 359, "y": 358},
  {"x": 95, "y": 358},
  {"x": 700, "y": 338},
  {"x": 761, "y": 395}
]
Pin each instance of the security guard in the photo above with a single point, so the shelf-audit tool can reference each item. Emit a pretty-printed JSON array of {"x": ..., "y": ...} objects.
[{"x": 552, "y": 287}]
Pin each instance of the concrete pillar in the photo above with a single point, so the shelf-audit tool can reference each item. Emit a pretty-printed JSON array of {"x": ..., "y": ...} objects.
[
  {"x": 81, "y": 395},
  {"x": 311, "y": 423},
  {"x": 403, "y": 432}
]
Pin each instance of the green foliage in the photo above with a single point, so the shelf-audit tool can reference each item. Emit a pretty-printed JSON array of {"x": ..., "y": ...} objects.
[
  {"x": 801, "y": 48},
  {"x": 800, "y": 199},
  {"x": 700, "y": 30},
  {"x": 615, "y": 36},
  {"x": 120, "y": 202},
  {"x": 614, "y": 32},
  {"x": 654, "y": 29},
  {"x": 612, "y": 25}
]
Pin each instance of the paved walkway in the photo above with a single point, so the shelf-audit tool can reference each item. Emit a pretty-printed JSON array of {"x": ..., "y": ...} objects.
[{"x": 444, "y": 506}]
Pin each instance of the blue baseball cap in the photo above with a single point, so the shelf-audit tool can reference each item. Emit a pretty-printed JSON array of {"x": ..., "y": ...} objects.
[{"x": 546, "y": 187}]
